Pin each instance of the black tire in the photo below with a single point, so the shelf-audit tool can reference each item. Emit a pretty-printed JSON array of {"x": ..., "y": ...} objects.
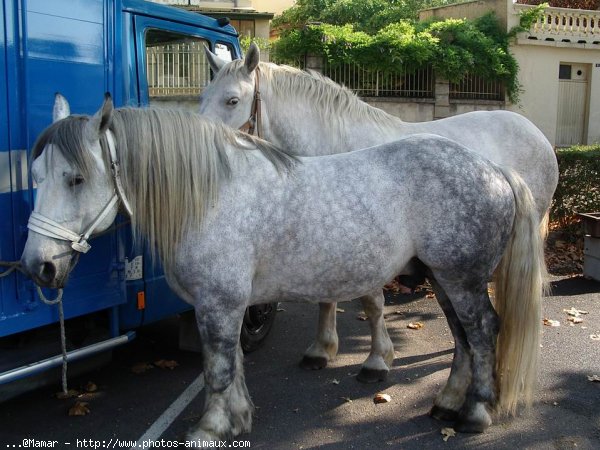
[{"x": 258, "y": 322}]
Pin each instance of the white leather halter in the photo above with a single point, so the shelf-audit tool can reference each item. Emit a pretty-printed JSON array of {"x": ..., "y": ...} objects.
[{"x": 40, "y": 224}]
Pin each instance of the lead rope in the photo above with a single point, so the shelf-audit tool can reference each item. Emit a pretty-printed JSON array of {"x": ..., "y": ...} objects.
[
  {"x": 63, "y": 337},
  {"x": 16, "y": 265}
]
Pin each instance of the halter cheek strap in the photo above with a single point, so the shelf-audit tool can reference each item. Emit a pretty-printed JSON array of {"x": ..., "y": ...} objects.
[
  {"x": 38, "y": 223},
  {"x": 254, "y": 121}
]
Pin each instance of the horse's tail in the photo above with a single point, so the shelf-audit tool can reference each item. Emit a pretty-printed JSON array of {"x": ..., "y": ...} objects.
[{"x": 518, "y": 292}]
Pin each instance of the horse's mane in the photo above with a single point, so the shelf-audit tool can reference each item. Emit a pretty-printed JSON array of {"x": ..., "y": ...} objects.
[
  {"x": 172, "y": 163},
  {"x": 333, "y": 102}
]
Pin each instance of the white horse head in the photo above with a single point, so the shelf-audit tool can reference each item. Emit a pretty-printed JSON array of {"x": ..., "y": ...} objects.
[
  {"x": 232, "y": 105},
  {"x": 73, "y": 190}
]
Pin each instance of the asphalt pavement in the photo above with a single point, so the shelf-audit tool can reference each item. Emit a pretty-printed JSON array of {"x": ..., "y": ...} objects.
[{"x": 298, "y": 409}]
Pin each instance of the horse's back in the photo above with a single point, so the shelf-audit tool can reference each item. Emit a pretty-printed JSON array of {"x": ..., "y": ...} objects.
[
  {"x": 435, "y": 191},
  {"x": 506, "y": 138},
  {"x": 461, "y": 206}
]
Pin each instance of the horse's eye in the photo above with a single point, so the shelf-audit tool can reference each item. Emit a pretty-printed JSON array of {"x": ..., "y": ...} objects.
[
  {"x": 76, "y": 180},
  {"x": 233, "y": 101}
]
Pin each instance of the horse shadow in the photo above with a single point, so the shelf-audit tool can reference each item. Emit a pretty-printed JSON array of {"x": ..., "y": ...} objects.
[{"x": 578, "y": 285}]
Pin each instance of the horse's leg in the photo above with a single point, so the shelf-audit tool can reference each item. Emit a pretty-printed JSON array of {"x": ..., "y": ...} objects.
[
  {"x": 227, "y": 405},
  {"x": 325, "y": 347},
  {"x": 450, "y": 399},
  {"x": 480, "y": 323},
  {"x": 378, "y": 364}
]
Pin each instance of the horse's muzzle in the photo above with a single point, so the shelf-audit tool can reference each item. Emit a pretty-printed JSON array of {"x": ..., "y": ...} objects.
[{"x": 49, "y": 273}]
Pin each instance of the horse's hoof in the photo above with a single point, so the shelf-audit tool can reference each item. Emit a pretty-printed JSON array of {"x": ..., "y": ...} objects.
[
  {"x": 439, "y": 413},
  {"x": 476, "y": 420},
  {"x": 313, "y": 362},
  {"x": 372, "y": 375},
  {"x": 467, "y": 426}
]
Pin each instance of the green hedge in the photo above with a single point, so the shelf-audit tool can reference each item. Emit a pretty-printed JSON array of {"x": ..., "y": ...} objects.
[
  {"x": 578, "y": 185},
  {"x": 453, "y": 47}
]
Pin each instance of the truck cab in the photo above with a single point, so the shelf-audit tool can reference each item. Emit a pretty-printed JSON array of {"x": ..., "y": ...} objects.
[{"x": 143, "y": 54}]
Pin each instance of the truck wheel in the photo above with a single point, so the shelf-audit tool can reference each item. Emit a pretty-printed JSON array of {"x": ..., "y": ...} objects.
[{"x": 258, "y": 322}]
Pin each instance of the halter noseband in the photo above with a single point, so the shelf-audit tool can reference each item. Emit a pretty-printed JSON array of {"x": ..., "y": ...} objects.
[
  {"x": 254, "y": 121},
  {"x": 38, "y": 223}
]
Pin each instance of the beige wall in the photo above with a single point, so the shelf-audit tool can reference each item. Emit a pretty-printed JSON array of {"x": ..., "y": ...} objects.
[
  {"x": 538, "y": 73},
  {"x": 539, "y": 61},
  {"x": 272, "y": 6},
  {"x": 415, "y": 110},
  {"x": 216, "y": 4},
  {"x": 469, "y": 10}
]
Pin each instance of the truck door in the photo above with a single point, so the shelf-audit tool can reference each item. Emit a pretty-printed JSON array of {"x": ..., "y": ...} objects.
[{"x": 171, "y": 71}]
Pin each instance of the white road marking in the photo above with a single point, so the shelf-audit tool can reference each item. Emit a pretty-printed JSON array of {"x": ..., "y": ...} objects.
[{"x": 168, "y": 417}]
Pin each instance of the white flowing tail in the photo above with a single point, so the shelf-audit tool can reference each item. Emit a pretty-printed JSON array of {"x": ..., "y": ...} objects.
[{"x": 520, "y": 279}]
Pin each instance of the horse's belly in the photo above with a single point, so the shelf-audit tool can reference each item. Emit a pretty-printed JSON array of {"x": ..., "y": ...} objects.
[{"x": 339, "y": 268}]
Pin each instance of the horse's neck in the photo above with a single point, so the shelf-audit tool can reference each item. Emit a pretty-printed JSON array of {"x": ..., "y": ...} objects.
[{"x": 300, "y": 129}]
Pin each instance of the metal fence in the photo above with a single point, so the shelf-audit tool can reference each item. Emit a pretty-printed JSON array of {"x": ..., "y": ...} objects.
[
  {"x": 177, "y": 69},
  {"x": 370, "y": 83},
  {"x": 473, "y": 87}
]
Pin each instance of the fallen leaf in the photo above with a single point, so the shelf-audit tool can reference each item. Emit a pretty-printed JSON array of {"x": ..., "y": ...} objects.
[
  {"x": 91, "y": 387},
  {"x": 595, "y": 337},
  {"x": 397, "y": 288},
  {"x": 415, "y": 325},
  {"x": 334, "y": 381},
  {"x": 141, "y": 367},
  {"x": 382, "y": 398},
  {"x": 79, "y": 409},
  {"x": 575, "y": 319},
  {"x": 362, "y": 317},
  {"x": 166, "y": 364},
  {"x": 448, "y": 433},
  {"x": 593, "y": 378},
  {"x": 71, "y": 393},
  {"x": 347, "y": 399},
  {"x": 551, "y": 323},
  {"x": 574, "y": 312},
  {"x": 340, "y": 310},
  {"x": 404, "y": 289}
]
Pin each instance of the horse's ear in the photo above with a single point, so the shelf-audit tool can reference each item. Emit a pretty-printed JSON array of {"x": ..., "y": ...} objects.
[
  {"x": 100, "y": 121},
  {"x": 252, "y": 57},
  {"x": 61, "y": 108},
  {"x": 214, "y": 61},
  {"x": 107, "y": 110}
]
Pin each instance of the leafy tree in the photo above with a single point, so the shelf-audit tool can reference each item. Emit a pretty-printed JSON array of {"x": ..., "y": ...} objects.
[
  {"x": 384, "y": 35},
  {"x": 364, "y": 15}
]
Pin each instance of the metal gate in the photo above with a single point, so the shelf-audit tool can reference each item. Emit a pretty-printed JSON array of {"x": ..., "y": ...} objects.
[{"x": 572, "y": 104}]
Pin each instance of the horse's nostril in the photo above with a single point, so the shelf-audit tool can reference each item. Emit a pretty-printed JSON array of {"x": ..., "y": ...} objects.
[{"x": 47, "y": 272}]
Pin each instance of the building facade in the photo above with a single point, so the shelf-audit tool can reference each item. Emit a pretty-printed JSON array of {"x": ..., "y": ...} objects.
[
  {"x": 247, "y": 16},
  {"x": 559, "y": 66}
]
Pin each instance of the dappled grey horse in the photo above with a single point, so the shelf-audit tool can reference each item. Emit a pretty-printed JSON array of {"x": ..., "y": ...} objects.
[
  {"x": 236, "y": 222},
  {"x": 308, "y": 114}
]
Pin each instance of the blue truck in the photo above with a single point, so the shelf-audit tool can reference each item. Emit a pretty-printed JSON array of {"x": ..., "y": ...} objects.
[{"x": 143, "y": 54}]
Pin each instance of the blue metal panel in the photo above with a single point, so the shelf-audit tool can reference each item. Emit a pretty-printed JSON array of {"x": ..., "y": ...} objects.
[
  {"x": 81, "y": 48},
  {"x": 58, "y": 46},
  {"x": 7, "y": 284},
  {"x": 177, "y": 16}
]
